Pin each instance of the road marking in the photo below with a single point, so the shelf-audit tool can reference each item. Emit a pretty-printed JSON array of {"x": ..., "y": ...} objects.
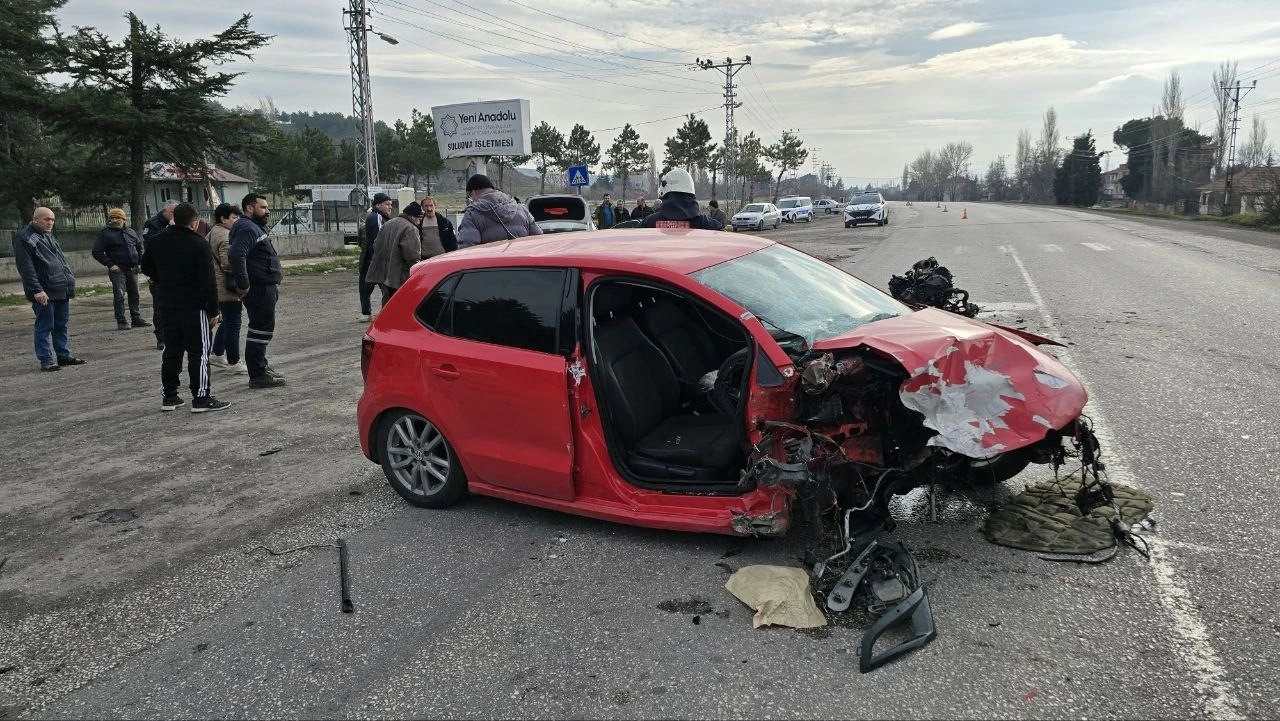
[
  {"x": 1005, "y": 249},
  {"x": 961, "y": 250},
  {"x": 1051, "y": 248},
  {"x": 1191, "y": 636},
  {"x": 997, "y": 307},
  {"x": 1096, "y": 246}
]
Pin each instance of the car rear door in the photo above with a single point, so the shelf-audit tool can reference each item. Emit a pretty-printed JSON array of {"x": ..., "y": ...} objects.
[{"x": 498, "y": 377}]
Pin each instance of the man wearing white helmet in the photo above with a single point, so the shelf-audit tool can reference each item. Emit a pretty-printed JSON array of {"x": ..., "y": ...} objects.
[{"x": 679, "y": 207}]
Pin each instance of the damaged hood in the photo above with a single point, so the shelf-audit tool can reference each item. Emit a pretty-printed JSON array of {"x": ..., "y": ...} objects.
[{"x": 984, "y": 390}]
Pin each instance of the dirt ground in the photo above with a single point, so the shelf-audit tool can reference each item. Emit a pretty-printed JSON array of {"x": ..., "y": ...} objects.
[{"x": 92, "y": 438}]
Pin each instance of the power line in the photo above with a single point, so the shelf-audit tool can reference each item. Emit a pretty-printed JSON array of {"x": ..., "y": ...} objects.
[
  {"x": 658, "y": 120},
  {"x": 603, "y": 32},
  {"x": 765, "y": 90}
]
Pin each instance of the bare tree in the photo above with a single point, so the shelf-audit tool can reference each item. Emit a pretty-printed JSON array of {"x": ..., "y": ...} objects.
[
  {"x": 1024, "y": 164},
  {"x": 1256, "y": 152},
  {"x": 953, "y": 164},
  {"x": 1047, "y": 156},
  {"x": 1224, "y": 76}
]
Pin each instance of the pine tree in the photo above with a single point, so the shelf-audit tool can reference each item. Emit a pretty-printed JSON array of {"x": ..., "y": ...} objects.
[
  {"x": 151, "y": 97},
  {"x": 627, "y": 156},
  {"x": 581, "y": 149},
  {"x": 786, "y": 154},
  {"x": 691, "y": 146},
  {"x": 1079, "y": 179},
  {"x": 547, "y": 145}
]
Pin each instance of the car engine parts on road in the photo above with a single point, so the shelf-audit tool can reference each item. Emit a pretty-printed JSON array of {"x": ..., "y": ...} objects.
[{"x": 928, "y": 283}]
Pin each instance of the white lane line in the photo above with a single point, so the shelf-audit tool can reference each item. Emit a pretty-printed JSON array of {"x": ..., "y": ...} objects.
[
  {"x": 1051, "y": 248},
  {"x": 1096, "y": 246},
  {"x": 1191, "y": 636}
]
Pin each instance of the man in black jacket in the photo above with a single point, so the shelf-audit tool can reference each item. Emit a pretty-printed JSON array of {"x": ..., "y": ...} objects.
[
  {"x": 378, "y": 214},
  {"x": 258, "y": 274},
  {"x": 679, "y": 207},
  {"x": 49, "y": 284},
  {"x": 155, "y": 225},
  {"x": 118, "y": 248},
  {"x": 180, "y": 260}
]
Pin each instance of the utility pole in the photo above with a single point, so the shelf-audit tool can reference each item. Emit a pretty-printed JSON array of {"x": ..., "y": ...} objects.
[
  {"x": 356, "y": 23},
  {"x": 1231, "y": 147},
  {"x": 730, "y": 68}
]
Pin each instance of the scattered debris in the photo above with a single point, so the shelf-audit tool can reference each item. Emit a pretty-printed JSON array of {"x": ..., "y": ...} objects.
[
  {"x": 779, "y": 595},
  {"x": 693, "y": 605},
  {"x": 347, "y": 605},
  {"x": 928, "y": 283},
  {"x": 116, "y": 515},
  {"x": 270, "y": 451}
]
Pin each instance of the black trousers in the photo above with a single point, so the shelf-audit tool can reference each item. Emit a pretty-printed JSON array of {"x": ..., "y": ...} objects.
[
  {"x": 260, "y": 305},
  {"x": 157, "y": 316},
  {"x": 185, "y": 331},
  {"x": 124, "y": 286}
]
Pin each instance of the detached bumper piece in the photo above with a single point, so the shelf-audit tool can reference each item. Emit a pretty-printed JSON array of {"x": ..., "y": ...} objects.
[{"x": 886, "y": 578}]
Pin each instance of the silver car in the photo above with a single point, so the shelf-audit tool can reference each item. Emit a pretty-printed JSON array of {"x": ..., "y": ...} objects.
[{"x": 757, "y": 216}]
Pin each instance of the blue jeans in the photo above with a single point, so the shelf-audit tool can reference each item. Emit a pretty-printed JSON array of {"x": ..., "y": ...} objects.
[
  {"x": 51, "y": 320},
  {"x": 227, "y": 337}
]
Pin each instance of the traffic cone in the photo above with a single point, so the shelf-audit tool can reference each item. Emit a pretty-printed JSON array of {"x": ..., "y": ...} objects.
[
  {"x": 944, "y": 209},
  {"x": 965, "y": 214}
]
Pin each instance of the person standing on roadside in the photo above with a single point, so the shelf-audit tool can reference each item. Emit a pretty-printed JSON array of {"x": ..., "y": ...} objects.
[
  {"x": 717, "y": 214},
  {"x": 226, "y": 340},
  {"x": 437, "y": 232},
  {"x": 492, "y": 215},
  {"x": 606, "y": 217},
  {"x": 47, "y": 281},
  {"x": 154, "y": 226},
  {"x": 257, "y": 275},
  {"x": 181, "y": 260},
  {"x": 379, "y": 214},
  {"x": 399, "y": 247},
  {"x": 118, "y": 248},
  {"x": 641, "y": 211},
  {"x": 620, "y": 214}
]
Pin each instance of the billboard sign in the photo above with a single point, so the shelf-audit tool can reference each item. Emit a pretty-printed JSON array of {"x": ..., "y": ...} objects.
[{"x": 493, "y": 127}]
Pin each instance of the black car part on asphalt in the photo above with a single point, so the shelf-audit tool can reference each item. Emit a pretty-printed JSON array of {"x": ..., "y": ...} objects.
[{"x": 928, "y": 283}]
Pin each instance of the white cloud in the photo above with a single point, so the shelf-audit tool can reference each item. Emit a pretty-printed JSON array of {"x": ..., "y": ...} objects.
[{"x": 957, "y": 30}]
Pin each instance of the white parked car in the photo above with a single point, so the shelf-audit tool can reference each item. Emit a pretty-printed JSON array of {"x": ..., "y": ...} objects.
[
  {"x": 826, "y": 205},
  {"x": 866, "y": 208},
  {"x": 796, "y": 208},
  {"x": 757, "y": 215}
]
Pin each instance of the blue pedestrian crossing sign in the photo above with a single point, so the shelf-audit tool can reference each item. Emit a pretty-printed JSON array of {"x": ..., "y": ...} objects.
[{"x": 579, "y": 176}]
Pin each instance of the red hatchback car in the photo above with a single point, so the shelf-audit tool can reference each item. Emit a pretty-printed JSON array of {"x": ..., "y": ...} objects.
[{"x": 691, "y": 380}]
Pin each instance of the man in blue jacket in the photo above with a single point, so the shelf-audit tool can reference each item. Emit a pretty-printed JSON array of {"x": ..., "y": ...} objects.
[
  {"x": 118, "y": 248},
  {"x": 49, "y": 284},
  {"x": 258, "y": 274}
]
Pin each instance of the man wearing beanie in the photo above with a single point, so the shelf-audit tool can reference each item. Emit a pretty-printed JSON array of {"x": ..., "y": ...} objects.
[
  {"x": 399, "y": 247},
  {"x": 117, "y": 247},
  {"x": 492, "y": 215},
  {"x": 378, "y": 214}
]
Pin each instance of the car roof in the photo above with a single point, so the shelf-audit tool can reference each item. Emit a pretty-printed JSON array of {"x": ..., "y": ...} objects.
[{"x": 631, "y": 249}]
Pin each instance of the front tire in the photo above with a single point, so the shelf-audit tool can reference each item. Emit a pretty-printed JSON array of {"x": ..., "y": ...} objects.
[{"x": 419, "y": 462}]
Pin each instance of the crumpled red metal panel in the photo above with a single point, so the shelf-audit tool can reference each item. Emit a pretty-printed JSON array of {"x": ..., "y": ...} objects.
[{"x": 985, "y": 391}]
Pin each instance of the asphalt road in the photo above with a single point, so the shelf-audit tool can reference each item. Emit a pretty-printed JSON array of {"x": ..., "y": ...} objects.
[{"x": 492, "y": 610}]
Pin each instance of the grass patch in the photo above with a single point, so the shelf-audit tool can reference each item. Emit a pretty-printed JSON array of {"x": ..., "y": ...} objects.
[
  {"x": 1257, "y": 221},
  {"x": 82, "y": 291},
  {"x": 324, "y": 266}
]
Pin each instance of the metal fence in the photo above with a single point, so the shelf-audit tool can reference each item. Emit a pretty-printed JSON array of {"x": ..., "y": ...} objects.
[{"x": 75, "y": 228}]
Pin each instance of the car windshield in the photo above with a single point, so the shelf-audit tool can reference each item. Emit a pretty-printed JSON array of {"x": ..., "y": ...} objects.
[
  {"x": 789, "y": 203},
  {"x": 755, "y": 208},
  {"x": 798, "y": 293},
  {"x": 867, "y": 200}
]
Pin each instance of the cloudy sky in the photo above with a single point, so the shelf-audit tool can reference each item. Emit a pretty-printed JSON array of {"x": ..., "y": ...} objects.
[{"x": 866, "y": 83}]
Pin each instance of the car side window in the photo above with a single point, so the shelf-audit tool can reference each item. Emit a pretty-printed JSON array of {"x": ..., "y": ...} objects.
[
  {"x": 433, "y": 305},
  {"x": 515, "y": 307}
]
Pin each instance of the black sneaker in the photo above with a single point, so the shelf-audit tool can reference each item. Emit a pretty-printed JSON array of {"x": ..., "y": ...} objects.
[
  {"x": 47, "y": 367},
  {"x": 171, "y": 403},
  {"x": 159, "y": 345},
  {"x": 266, "y": 380},
  {"x": 122, "y": 326},
  {"x": 140, "y": 323},
  {"x": 207, "y": 404},
  {"x": 71, "y": 361},
  {"x": 274, "y": 373}
]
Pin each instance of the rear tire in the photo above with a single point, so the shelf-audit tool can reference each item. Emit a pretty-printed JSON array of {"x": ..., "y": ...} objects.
[{"x": 419, "y": 462}]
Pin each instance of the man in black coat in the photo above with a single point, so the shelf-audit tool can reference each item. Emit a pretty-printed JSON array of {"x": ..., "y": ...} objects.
[
  {"x": 256, "y": 266},
  {"x": 119, "y": 249},
  {"x": 154, "y": 226},
  {"x": 180, "y": 260}
]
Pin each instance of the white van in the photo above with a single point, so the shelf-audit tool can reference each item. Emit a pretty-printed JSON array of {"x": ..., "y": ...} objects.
[{"x": 796, "y": 208}]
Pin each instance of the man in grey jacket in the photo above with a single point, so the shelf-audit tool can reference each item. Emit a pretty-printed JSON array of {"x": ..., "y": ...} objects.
[
  {"x": 399, "y": 246},
  {"x": 492, "y": 215},
  {"x": 49, "y": 284}
]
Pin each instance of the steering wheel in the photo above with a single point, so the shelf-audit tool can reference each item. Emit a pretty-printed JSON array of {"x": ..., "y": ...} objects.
[{"x": 726, "y": 393}]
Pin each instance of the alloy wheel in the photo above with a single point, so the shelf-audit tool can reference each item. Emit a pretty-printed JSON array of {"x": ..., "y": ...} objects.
[{"x": 418, "y": 456}]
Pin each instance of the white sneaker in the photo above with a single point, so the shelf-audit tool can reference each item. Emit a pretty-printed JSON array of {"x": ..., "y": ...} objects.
[
  {"x": 366, "y": 318},
  {"x": 217, "y": 361},
  {"x": 237, "y": 368}
]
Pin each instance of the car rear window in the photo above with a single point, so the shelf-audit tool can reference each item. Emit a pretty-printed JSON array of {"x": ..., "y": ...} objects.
[
  {"x": 557, "y": 209},
  {"x": 518, "y": 307}
]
